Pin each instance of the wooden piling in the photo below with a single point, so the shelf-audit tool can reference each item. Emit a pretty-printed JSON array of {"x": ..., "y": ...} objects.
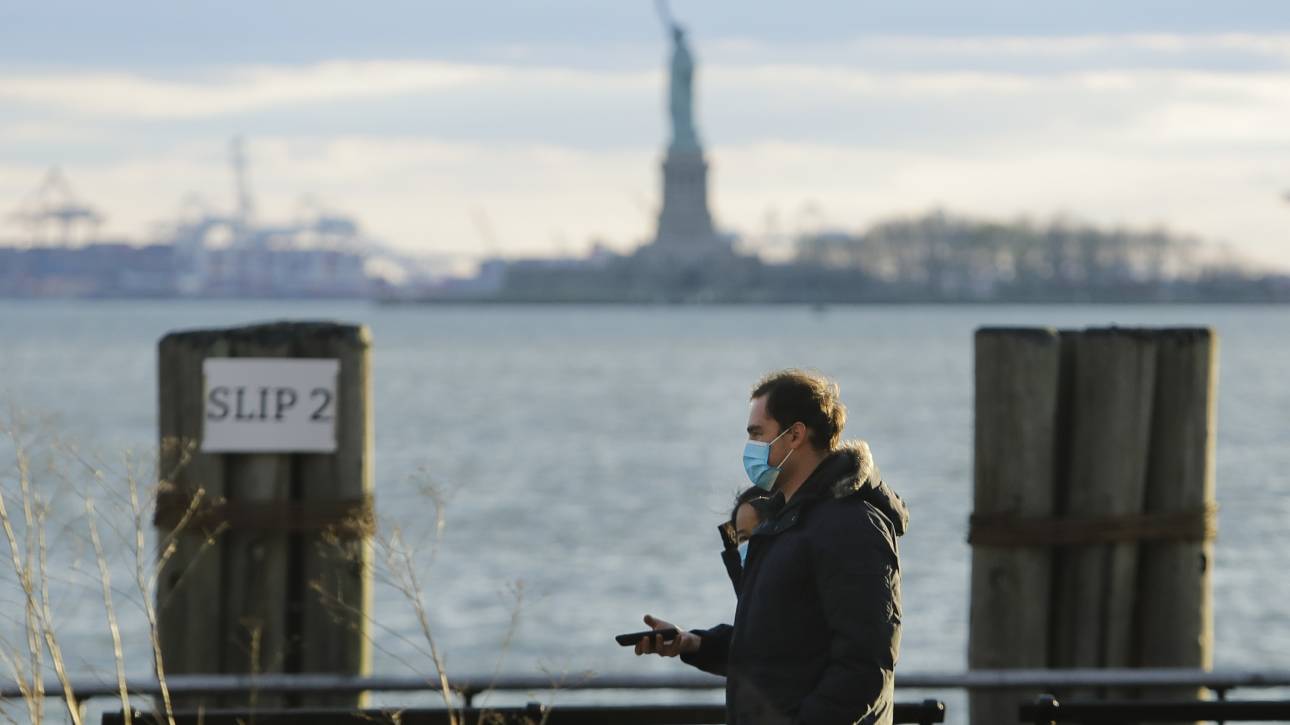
[
  {"x": 1112, "y": 389},
  {"x": 1175, "y": 626},
  {"x": 273, "y": 527},
  {"x": 1016, "y": 372},
  {"x": 189, "y": 616},
  {"x": 336, "y": 563},
  {"x": 256, "y": 574},
  {"x": 1113, "y": 528}
]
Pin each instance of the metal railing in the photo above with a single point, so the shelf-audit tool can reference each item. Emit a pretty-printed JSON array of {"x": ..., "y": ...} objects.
[
  {"x": 1218, "y": 681},
  {"x": 1049, "y": 711},
  {"x": 927, "y": 712}
]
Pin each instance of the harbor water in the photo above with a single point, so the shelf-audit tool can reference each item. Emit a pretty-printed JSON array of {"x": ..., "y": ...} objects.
[{"x": 584, "y": 455}]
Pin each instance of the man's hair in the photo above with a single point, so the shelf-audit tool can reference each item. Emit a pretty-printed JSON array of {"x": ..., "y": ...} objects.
[{"x": 799, "y": 395}]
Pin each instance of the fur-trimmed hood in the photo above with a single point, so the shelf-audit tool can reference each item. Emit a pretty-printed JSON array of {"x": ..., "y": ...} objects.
[{"x": 850, "y": 470}]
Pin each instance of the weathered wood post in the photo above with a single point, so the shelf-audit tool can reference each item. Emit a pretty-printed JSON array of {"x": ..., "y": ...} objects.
[
  {"x": 268, "y": 430},
  {"x": 189, "y": 617},
  {"x": 1015, "y": 463},
  {"x": 1108, "y": 437},
  {"x": 1094, "y": 508},
  {"x": 335, "y": 560},
  {"x": 1175, "y": 591},
  {"x": 256, "y": 575}
]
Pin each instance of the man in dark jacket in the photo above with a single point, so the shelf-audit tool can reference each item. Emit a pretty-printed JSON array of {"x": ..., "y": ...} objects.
[{"x": 817, "y": 628}]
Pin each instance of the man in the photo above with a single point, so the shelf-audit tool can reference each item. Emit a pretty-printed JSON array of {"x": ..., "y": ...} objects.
[{"x": 817, "y": 628}]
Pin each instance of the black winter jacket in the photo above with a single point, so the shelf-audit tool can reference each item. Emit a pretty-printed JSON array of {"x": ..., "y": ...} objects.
[{"x": 817, "y": 629}]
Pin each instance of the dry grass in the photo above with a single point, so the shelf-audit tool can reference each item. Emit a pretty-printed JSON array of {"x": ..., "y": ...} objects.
[
  {"x": 28, "y": 556},
  {"x": 27, "y": 536},
  {"x": 405, "y": 568},
  {"x": 105, "y": 579},
  {"x": 115, "y": 516}
]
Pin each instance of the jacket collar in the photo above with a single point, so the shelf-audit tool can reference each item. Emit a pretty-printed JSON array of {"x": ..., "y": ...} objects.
[{"x": 847, "y": 471}]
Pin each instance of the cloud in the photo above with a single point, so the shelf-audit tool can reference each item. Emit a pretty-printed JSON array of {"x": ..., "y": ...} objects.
[
  {"x": 417, "y": 149},
  {"x": 414, "y": 193},
  {"x": 425, "y": 195},
  {"x": 867, "y": 64},
  {"x": 850, "y": 81},
  {"x": 240, "y": 90},
  {"x": 51, "y": 132},
  {"x": 621, "y": 109},
  {"x": 1229, "y": 200},
  {"x": 1027, "y": 54},
  {"x": 1273, "y": 46}
]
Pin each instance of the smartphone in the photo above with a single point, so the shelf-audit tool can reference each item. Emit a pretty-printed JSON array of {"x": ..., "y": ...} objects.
[
  {"x": 630, "y": 640},
  {"x": 728, "y": 537}
]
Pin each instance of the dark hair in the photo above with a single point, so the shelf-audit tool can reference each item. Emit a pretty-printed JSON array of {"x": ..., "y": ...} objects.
[
  {"x": 799, "y": 395},
  {"x": 752, "y": 495}
]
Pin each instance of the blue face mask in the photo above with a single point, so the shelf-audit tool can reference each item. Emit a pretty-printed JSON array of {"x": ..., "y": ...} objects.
[
  {"x": 743, "y": 553},
  {"x": 757, "y": 463}
]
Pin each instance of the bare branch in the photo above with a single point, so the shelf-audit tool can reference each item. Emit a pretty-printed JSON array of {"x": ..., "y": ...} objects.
[{"x": 105, "y": 576}]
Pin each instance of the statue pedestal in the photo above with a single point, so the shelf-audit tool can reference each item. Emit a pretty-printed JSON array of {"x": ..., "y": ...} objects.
[
  {"x": 685, "y": 236},
  {"x": 685, "y": 224}
]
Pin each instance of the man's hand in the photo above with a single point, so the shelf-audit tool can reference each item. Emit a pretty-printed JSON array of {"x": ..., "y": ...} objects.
[{"x": 684, "y": 642}]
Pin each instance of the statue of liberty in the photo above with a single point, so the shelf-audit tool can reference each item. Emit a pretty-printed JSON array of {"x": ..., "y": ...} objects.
[
  {"x": 685, "y": 231},
  {"x": 680, "y": 86}
]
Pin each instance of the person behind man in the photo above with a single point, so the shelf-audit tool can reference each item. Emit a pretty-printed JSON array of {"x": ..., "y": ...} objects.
[
  {"x": 816, "y": 633},
  {"x": 744, "y": 518}
]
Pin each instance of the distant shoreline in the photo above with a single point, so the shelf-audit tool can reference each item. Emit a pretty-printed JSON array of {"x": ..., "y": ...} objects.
[
  {"x": 848, "y": 303},
  {"x": 446, "y": 302}
]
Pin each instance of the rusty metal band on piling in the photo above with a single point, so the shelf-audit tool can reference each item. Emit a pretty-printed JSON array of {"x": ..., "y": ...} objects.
[
  {"x": 347, "y": 517},
  {"x": 1006, "y": 530}
]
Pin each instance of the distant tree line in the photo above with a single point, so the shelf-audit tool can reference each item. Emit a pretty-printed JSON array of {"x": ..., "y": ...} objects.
[
  {"x": 939, "y": 256},
  {"x": 936, "y": 257}
]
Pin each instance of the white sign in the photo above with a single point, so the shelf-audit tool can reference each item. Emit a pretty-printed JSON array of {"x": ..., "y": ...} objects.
[{"x": 269, "y": 405}]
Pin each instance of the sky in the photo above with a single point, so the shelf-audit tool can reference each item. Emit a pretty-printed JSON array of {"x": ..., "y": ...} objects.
[{"x": 536, "y": 128}]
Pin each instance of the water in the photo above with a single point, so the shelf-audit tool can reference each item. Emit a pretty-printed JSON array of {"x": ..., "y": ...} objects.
[{"x": 589, "y": 452}]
